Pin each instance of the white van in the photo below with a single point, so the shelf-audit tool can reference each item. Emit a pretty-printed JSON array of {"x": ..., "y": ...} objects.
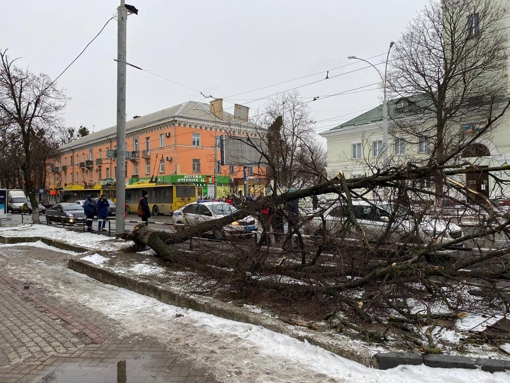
[{"x": 15, "y": 200}]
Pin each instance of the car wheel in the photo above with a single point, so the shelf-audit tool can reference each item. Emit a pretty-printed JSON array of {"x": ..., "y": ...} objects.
[
  {"x": 155, "y": 210},
  {"x": 218, "y": 234}
]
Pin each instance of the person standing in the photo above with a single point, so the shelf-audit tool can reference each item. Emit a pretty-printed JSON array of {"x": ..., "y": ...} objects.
[
  {"x": 102, "y": 212},
  {"x": 89, "y": 208},
  {"x": 144, "y": 212}
]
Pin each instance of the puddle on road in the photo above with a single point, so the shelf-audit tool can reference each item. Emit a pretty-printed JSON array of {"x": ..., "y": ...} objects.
[{"x": 113, "y": 373}]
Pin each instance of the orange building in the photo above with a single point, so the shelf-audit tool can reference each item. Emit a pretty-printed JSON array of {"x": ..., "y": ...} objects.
[{"x": 179, "y": 140}]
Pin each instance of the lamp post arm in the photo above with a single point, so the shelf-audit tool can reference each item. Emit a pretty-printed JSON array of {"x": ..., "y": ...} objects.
[{"x": 372, "y": 65}]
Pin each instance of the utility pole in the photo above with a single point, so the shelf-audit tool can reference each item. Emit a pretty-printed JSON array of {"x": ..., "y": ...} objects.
[{"x": 120, "y": 176}]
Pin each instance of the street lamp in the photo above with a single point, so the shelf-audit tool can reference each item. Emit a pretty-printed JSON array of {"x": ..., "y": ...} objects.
[{"x": 385, "y": 103}]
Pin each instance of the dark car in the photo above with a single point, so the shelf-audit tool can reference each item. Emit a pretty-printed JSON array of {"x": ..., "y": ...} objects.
[
  {"x": 111, "y": 207},
  {"x": 67, "y": 212}
]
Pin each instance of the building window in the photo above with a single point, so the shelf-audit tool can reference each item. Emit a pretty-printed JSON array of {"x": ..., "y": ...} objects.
[
  {"x": 356, "y": 150},
  {"x": 77, "y": 178},
  {"x": 71, "y": 160},
  {"x": 377, "y": 148},
  {"x": 161, "y": 140},
  {"x": 249, "y": 170},
  {"x": 423, "y": 145},
  {"x": 162, "y": 165},
  {"x": 135, "y": 144},
  {"x": 473, "y": 25},
  {"x": 107, "y": 175},
  {"x": 71, "y": 179},
  {"x": 90, "y": 175},
  {"x": 196, "y": 139},
  {"x": 196, "y": 165},
  {"x": 99, "y": 174},
  {"x": 77, "y": 159},
  {"x": 136, "y": 169},
  {"x": 83, "y": 157},
  {"x": 147, "y": 144},
  {"x": 147, "y": 167},
  {"x": 99, "y": 154},
  {"x": 232, "y": 169},
  {"x": 400, "y": 146},
  {"x": 91, "y": 155},
  {"x": 65, "y": 161}
]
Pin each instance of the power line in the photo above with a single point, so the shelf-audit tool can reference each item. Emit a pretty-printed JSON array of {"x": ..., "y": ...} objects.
[
  {"x": 84, "y": 49},
  {"x": 302, "y": 77}
]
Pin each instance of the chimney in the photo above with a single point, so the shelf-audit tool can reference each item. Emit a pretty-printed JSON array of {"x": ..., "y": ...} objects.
[{"x": 216, "y": 108}]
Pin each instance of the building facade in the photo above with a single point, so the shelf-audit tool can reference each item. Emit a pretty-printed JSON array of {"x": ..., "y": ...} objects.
[{"x": 181, "y": 142}]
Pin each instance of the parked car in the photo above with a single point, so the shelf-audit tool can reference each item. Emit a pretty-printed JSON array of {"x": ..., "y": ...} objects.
[
  {"x": 374, "y": 218},
  {"x": 27, "y": 208},
  {"x": 68, "y": 212},
  {"x": 80, "y": 202},
  {"x": 202, "y": 211},
  {"x": 111, "y": 207}
]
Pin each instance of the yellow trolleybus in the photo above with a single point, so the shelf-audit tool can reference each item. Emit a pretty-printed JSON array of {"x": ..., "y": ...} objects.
[{"x": 164, "y": 198}]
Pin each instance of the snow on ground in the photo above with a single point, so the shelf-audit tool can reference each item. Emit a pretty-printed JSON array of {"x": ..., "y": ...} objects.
[
  {"x": 81, "y": 239},
  {"x": 234, "y": 351}
]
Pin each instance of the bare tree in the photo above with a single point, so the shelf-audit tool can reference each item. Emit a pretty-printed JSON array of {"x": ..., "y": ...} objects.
[
  {"x": 30, "y": 110},
  {"x": 67, "y": 135},
  {"x": 293, "y": 156},
  {"x": 447, "y": 72}
]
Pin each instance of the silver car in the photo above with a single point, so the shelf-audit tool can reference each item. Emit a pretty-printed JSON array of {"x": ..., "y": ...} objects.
[
  {"x": 201, "y": 211},
  {"x": 375, "y": 218}
]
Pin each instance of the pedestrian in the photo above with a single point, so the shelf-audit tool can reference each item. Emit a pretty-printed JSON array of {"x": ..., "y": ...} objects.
[
  {"x": 126, "y": 209},
  {"x": 265, "y": 218},
  {"x": 144, "y": 212},
  {"x": 89, "y": 208},
  {"x": 293, "y": 213},
  {"x": 229, "y": 200},
  {"x": 315, "y": 201},
  {"x": 102, "y": 212}
]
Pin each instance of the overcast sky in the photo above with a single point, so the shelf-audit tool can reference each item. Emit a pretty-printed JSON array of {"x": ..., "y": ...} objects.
[{"x": 223, "y": 48}]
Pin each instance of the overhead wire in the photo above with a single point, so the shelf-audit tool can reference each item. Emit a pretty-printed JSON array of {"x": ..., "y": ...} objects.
[{"x": 83, "y": 51}]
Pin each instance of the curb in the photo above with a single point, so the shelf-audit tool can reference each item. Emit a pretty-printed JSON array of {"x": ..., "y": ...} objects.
[
  {"x": 217, "y": 308},
  {"x": 47, "y": 241},
  {"x": 394, "y": 359}
]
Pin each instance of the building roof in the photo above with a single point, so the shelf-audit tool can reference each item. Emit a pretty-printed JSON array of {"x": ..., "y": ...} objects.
[
  {"x": 411, "y": 106},
  {"x": 191, "y": 110}
]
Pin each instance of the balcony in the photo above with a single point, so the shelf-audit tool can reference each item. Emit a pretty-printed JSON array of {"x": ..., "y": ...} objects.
[
  {"x": 89, "y": 164},
  {"x": 133, "y": 156},
  {"x": 82, "y": 164},
  {"x": 64, "y": 168},
  {"x": 99, "y": 161},
  {"x": 146, "y": 154}
]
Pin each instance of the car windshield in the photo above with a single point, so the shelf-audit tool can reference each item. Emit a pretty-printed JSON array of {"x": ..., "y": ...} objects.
[
  {"x": 223, "y": 209},
  {"x": 71, "y": 207},
  {"x": 19, "y": 200},
  {"x": 401, "y": 211}
]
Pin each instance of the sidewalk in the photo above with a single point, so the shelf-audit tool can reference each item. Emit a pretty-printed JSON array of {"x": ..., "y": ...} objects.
[{"x": 42, "y": 341}]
